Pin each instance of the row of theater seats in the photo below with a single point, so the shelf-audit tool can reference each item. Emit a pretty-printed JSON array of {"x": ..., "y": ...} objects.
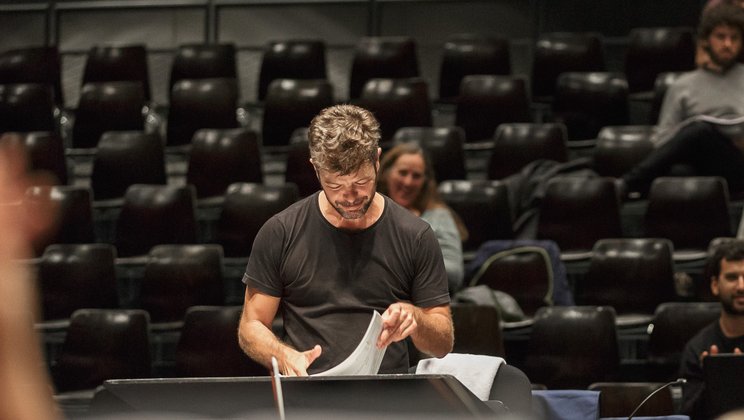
[
  {"x": 217, "y": 157},
  {"x": 650, "y": 51},
  {"x": 220, "y": 158},
  {"x": 575, "y": 212},
  {"x": 584, "y": 103},
  {"x": 568, "y": 347},
  {"x": 204, "y": 91},
  {"x": 169, "y": 278}
]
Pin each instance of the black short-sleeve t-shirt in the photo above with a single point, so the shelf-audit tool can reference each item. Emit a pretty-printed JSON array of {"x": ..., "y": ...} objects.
[{"x": 330, "y": 280}]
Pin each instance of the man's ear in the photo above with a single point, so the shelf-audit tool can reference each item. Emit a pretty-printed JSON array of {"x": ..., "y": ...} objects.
[
  {"x": 714, "y": 285},
  {"x": 705, "y": 45}
]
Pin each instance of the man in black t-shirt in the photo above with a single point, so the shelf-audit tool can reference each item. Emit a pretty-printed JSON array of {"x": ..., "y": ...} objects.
[
  {"x": 725, "y": 335},
  {"x": 329, "y": 260}
]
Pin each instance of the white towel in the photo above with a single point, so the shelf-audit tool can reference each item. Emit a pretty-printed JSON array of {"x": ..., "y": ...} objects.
[{"x": 475, "y": 371}]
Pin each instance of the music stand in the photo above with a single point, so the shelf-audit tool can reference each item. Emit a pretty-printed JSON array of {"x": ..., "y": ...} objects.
[
  {"x": 404, "y": 395},
  {"x": 723, "y": 390}
]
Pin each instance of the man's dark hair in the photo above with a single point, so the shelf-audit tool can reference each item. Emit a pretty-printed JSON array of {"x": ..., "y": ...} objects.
[
  {"x": 732, "y": 250},
  {"x": 721, "y": 14}
]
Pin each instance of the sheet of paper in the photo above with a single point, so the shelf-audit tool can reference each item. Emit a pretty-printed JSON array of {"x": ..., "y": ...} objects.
[{"x": 366, "y": 358}]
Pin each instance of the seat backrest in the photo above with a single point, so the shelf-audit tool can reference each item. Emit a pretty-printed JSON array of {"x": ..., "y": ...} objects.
[
  {"x": 201, "y": 103},
  {"x": 177, "y": 277},
  {"x": 523, "y": 272},
  {"x": 576, "y": 212},
  {"x": 118, "y": 63},
  {"x": 397, "y": 103},
  {"x": 291, "y": 59},
  {"x": 208, "y": 347},
  {"x": 486, "y": 101},
  {"x": 484, "y": 207},
  {"x": 586, "y": 102},
  {"x": 153, "y": 215},
  {"x": 621, "y": 147},
  {"x": 561, "y": 52},
  {"x": 571, "y": 347},
  {"x": 662, "y": 83},
  {"x": 477, "y": 329},
  {"x": 443, "y": 145},
  {"x": 33, "y": 65},
  {"x": 44, "y": 154},
  {"x": 299, "y": 170},
  {"x": 290, "y": 104},
  {"x": 203, "y": 61},
  {"x": 73, "y": 214},
  {"x": 652, "y": 51},
  {"x": 517, "y": 144},
  {"x": 76, "y": 276},
  {"x": 107, "y": 106},
  {"x": 26, "y": 107},
  {"x": 47, "y": 153},
  {"x": 218, "y": 158},
  {"x": 631, "y": 275},
  {"x": 690, "y": 211},
  {"x": 246, "y": 208},
  {"x": 674, "y": 324},
  {"x": 466, "y": 54},
  {"x": 103, "y": 344},
  {"x": 382, "y": 57},
  {"x": 619, "y": 399},
  {"x": 126, "y": 158}
]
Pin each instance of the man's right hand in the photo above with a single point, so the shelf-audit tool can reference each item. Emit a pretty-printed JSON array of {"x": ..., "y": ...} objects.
[{"x": 295, "y": 363}]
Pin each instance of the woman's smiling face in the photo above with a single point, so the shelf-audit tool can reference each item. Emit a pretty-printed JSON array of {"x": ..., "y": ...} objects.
[{"x": 406, "y": 178}]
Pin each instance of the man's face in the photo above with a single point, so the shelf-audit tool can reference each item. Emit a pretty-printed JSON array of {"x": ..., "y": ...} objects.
[
  {"x": 724, "y": 45},
  {"x": 729, "y": 286},
  {"x": 351, "y": 195}
]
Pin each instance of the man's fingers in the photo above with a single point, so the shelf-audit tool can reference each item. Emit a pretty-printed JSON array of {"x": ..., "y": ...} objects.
[
  {"x": 404, "y": 328},
  {"x": 406, "y": 322},
  {"x": 381, "y": 341},
  {"x": 737, "y": 350},
  {"x": 392, "y": 318},
  {"x": 313, "y": 354}
]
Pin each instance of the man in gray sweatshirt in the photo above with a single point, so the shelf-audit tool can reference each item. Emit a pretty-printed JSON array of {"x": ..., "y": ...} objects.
[{"x": 702, "y": 117}]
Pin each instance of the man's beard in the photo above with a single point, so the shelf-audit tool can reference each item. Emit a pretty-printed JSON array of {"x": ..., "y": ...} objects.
[
  {"x": 728, "y": 306},
  {"x": 353, "y": 215},
  {"x": 724, "y": 64}
]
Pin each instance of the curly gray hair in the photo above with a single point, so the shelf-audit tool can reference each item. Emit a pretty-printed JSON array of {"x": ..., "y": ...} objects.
[{"x": 342, "y": 138}]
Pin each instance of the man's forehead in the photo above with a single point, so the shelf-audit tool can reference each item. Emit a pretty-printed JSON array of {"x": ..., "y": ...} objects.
[
  {"x": 725, "y": 27},
  {"x": 365, "y": 170}
]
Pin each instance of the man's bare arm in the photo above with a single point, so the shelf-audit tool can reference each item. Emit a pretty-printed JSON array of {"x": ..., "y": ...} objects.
[
  {"x": 259, "y": 342},
  {"x": 430, "y": 328}
]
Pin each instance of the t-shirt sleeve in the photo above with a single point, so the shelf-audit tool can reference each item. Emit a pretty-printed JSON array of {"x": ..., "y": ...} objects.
[
  {"x": 264, "y": 263},
  {"x": 430, "y": 284}
]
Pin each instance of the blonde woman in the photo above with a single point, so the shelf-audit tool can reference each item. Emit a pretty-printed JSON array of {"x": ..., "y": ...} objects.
[{"x": 406, "y": 176}]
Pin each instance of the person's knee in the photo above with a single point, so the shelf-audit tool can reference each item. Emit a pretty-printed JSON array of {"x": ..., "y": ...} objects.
[
  {"x": 697, "y": 133},
  {"x": 698, "y": 129}
]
